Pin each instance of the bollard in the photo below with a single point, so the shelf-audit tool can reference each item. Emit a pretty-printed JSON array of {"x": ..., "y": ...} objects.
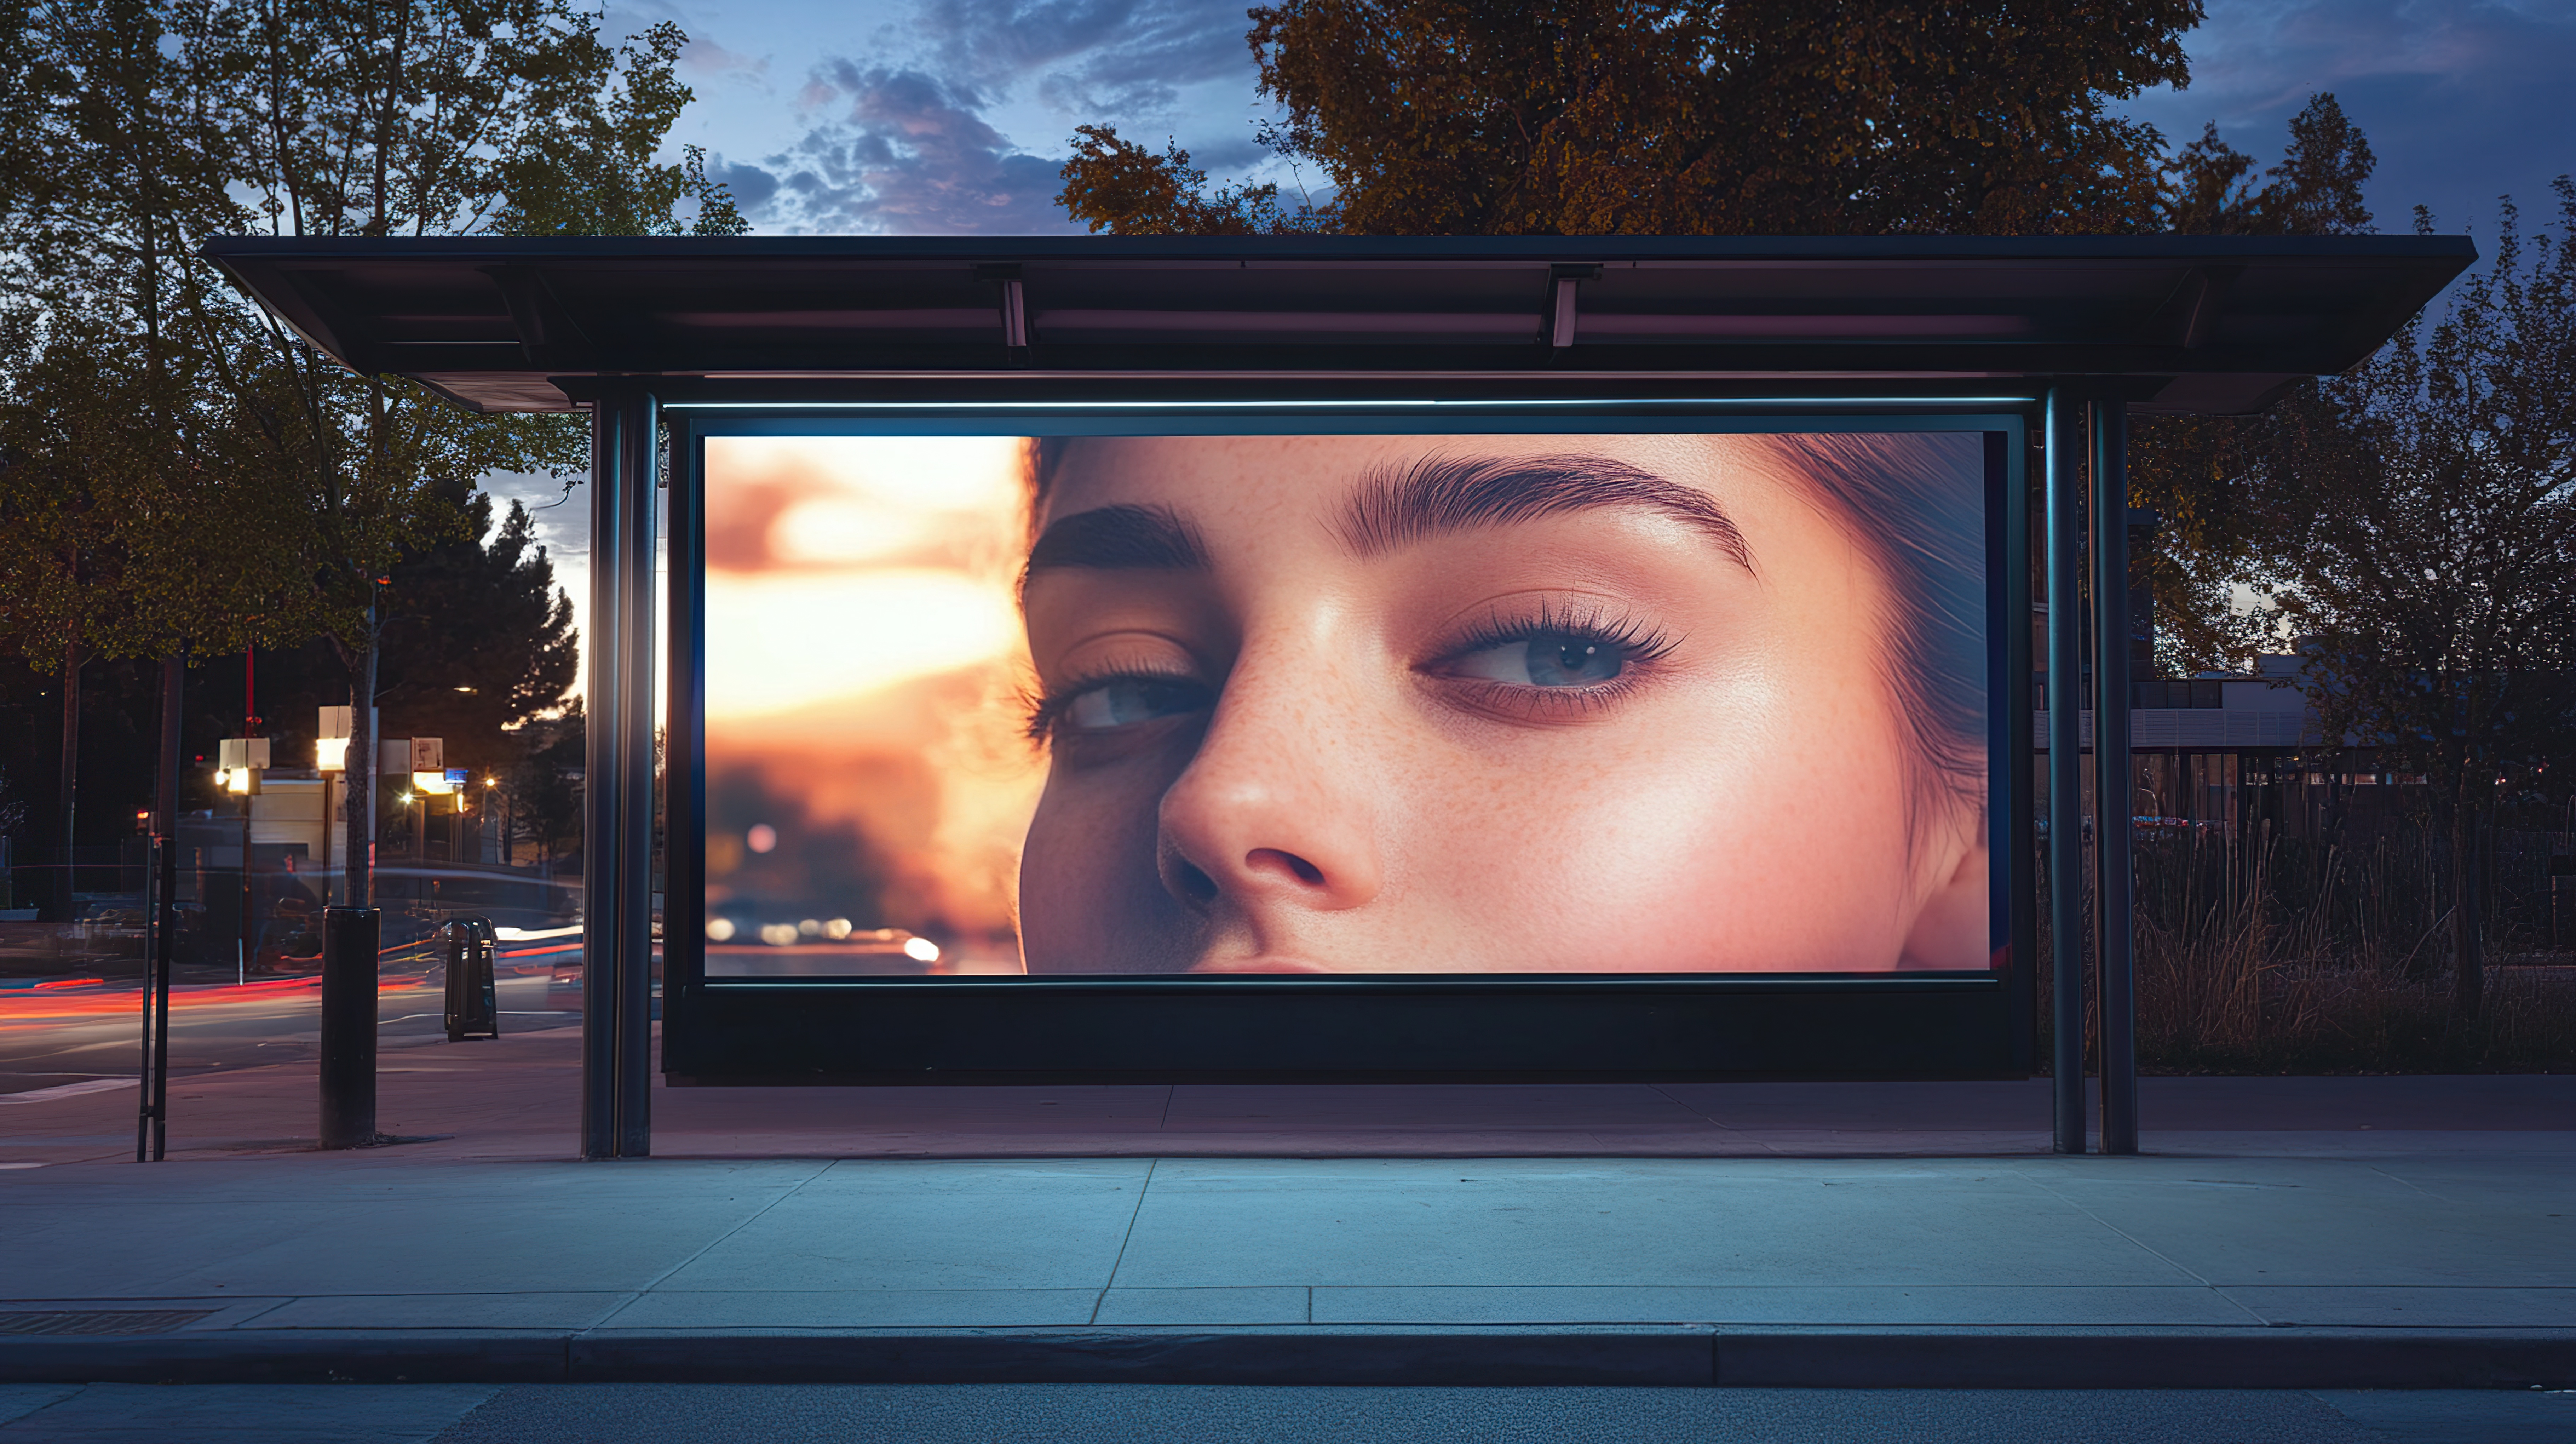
[
  {"x": 473, "y": 1007},
  {"x": 349, "y": 1027}
]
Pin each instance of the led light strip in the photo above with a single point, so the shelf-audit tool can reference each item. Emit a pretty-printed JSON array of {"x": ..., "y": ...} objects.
[{"x": 1561, "y": 403}]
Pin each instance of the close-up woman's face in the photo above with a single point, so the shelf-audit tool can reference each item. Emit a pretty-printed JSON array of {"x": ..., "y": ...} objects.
[{"x": 1475, "y": 704}]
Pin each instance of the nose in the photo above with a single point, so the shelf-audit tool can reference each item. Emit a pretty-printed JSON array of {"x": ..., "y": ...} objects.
[{"x": 1273, "y": 815}]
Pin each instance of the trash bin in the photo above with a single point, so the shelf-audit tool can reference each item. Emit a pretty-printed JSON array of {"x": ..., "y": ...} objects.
[
  {"x": 473, "y": 1008},
  {"x": 350, "y": 961}
]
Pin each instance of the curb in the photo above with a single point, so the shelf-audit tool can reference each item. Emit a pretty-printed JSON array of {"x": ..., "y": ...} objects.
[{"x": 1671, "y": 1355}]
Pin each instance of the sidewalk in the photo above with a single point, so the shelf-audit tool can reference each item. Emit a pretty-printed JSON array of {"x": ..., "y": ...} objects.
[
  {"x": 517, "y": 1097},
  {"x": 2296, "y": 1233}
]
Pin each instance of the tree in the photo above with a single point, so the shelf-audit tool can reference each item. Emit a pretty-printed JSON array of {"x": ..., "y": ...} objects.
[
  {"x": 428, "y": 117},
  {"x": 478, "y": 640},
  {"x": 2194, "y": 470},
  {"x": 2431, "y": 563},
  {"x": 546, "y": 786},
  {"x": 2314, "y": 191},
  {"x": 1689, "y": 117},
  {"x": 118, "y": 536},
  {"x": 298, "y": 117},
  {"x": 1120, "y": 186}
]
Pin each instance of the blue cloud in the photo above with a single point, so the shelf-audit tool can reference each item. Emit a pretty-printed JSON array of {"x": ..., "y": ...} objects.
[
  {"x": 2461, "y": 101},
  {"x": 907, "y": 145},
  {"x": 908, "y": 154},
  {"x": 750, "y": 186}
]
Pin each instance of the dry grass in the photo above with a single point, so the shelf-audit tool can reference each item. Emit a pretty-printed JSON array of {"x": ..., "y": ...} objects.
[{"x": 2277, "y": 958}]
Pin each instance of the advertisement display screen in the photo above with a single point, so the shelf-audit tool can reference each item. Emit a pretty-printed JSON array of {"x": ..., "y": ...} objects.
[{"x": 1290, "y": 706}]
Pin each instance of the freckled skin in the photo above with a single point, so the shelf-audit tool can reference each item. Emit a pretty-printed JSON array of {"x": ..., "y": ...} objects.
[{"x": 1347, "y": 805}]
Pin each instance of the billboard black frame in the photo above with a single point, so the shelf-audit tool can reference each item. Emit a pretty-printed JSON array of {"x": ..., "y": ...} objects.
[{"x": 1353, "y": 1028}]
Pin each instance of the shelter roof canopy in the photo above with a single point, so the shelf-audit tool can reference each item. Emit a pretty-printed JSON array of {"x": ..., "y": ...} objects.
[{"x": 2207, "y": 324}]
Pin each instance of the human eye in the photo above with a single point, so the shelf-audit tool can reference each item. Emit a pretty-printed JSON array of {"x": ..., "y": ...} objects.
[
  {"x": 1548, "y": 658},
  {"x": 1102, "y": 706}
]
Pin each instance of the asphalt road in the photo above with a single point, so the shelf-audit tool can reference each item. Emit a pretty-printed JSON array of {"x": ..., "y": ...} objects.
[
  {"x": 1152, "y": 1414},
  {"x": 93, "y": 1035}
]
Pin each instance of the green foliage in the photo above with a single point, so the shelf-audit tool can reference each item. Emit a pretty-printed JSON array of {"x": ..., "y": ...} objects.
[
  {"x": 478, "y": 640},
  {"x": 117, "y": 527},
  {"x": 2314, "y": 191},
  {"x": 1121, "y": 187},
  {"x": 1692, "y": 117},
  {"x": 2193, "y": 470},
  {"x": 2413, "y": 523},
  {"x": 174, "y": 463},
  {"x": 545, "y": 787},
  {"x": 2432, "y": 569},
  {"x": 593, "y": 172}
]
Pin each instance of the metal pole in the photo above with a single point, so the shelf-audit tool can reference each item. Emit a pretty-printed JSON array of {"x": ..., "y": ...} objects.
[
  {"x": 640, "y": 495},
  {"x": 152, "y": 1128},
  {"x": 2065, "y": 770},
  {"x": 684, "y": 751},
  {"x": 617, "y": 937},
  {"x": 242, "y": 943},
  {"x": 599, "y": 827},
  {"x": 2112, "y": 780}
]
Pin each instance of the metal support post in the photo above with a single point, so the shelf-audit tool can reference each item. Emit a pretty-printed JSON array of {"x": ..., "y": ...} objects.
[
  {"x": 2065, "y": 505},
  {"x": 617, "y": 935},
  {"x": 2114, "y": 883},
  {"x": 152, "y": 1127}
]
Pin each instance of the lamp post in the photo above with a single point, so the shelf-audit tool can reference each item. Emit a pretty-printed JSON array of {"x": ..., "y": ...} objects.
[
  {"x": 240, "y": 761},
  {"x": 331, "y": 759}
]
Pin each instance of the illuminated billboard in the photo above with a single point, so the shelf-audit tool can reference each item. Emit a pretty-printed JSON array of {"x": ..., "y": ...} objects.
[{"x": 1636, "y": 702}]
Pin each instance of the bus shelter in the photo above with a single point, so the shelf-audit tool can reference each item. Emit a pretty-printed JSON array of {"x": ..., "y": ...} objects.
[{"x": 1449, "y": 658}]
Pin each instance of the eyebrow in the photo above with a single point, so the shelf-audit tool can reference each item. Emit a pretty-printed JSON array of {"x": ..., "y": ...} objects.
[
  {"x": 1393, "y": 508},
  {"x": 1118, "y": 538}
]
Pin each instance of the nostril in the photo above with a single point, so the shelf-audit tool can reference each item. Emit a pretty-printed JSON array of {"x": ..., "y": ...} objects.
[
  {"x": 1306, "y": 872},
  {"x": 1195, "y": 884}
]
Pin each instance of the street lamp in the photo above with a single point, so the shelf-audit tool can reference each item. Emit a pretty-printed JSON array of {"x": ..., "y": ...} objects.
[{"x": 241, "y": 761}]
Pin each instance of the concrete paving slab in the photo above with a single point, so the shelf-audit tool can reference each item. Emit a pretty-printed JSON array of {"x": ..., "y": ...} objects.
[
  {"x": 1153, "y": 1306},
  {"x": 2421, "y": 1306},
  {"x": 2418, "y": 1144},
  {"x": 696, "y": 1309},
  {"x": 2296, "y": 1222},
  {"x": 426, "y": 1248},
  {"x": 1973, "y": 1304},
  {"x": 932, "y": 1225},
  {"x": 1388, "y": 1222},
  {"x": 2446, "y": 1103},
  {"x": 95, "y": 1248},
  {"x": 1429, "y": 1107},
  {"x": 2014, "y": 1106},
  {"x": 531, "y": 1310},
  {"x": 1692, "y": 1213}
]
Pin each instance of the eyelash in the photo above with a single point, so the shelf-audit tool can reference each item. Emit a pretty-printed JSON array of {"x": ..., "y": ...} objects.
[
  {"x": 1641, "y": 645},
  {"x": 1640, "y": 641},
  {"x": 1046, "y": 707}
]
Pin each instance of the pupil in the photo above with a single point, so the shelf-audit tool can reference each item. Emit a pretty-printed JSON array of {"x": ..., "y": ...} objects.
[{"x": 1560, "y": 660}]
